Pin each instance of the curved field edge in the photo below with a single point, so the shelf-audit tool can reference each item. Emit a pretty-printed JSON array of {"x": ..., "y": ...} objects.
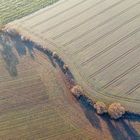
[
  {"x": 11, "y": 10},
  {"x": 98, "y": 123},
  {"x": 96, "y": 95},
  {"x": 38, "y": 92}
]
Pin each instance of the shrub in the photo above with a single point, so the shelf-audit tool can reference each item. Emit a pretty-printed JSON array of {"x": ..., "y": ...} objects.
[
  {"x": 23, "y": 38},
  {"x": 100, "y": 107},
  {"x": 10, "y": 31},
  {"x": 54, "y": 54},
  {"x": 65, "y": 67},
  {"x": 1, "y": 28},
  {"x": 116, "y": 110},
  {"x": 77, "y": 90}
]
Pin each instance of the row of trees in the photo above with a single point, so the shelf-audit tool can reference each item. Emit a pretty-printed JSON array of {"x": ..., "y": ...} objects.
[{"x": 115, "y": 110}]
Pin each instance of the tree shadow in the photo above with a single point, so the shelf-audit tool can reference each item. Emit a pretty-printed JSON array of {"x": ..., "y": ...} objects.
[
  {"x": 132, "y": 116},
  {"x": 132, "y": 133},
  {"x": 120, "y": 129},
  {"x": 21, "y": 46},
  {"x": 10, "y": 59},
  {"x": 48, "y": 53},
  {"x": 89, "y": 111},
  {"x": 61, "y": 63},
  {"x": 20, "y": 49},
  {"x": 116, "y": 131},
  {"x": 29, "y": 45},
  {"x": 128, "y": 119}
]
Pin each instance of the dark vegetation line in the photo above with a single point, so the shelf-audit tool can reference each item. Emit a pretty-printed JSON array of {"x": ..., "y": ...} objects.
[{"x": 115, "y": 126}]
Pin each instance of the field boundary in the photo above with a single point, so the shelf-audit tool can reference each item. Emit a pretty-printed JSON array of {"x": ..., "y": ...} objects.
[{"x": 49, "y": 44}]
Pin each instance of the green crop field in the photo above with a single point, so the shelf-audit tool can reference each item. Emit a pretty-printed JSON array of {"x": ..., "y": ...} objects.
[{"x": 14, "y": 9}]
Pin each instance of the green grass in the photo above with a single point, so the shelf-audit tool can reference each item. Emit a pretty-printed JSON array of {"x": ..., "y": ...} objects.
[{"x": 15, "y": 9}]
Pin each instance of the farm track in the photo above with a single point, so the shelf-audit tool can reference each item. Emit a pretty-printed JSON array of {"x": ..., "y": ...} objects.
[
  {"x": 31, "y": 100},
  {"x": 133, "y": 89},
  {"x": 110, "y": 46},
  {"x": 121, "y": 75},
  {"x": 114, "y": 61}
]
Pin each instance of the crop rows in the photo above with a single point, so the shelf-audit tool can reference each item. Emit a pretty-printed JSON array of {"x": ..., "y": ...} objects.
[{"x": 15, "y": 9}]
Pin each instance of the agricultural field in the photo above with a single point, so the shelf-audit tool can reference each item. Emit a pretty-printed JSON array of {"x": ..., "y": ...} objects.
[
  {"x": 33, "y": 99},
  {"x": 35, "y": 103},
  {"x": 15, "y": 9},
  {"x": 99, "y": 40}
]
